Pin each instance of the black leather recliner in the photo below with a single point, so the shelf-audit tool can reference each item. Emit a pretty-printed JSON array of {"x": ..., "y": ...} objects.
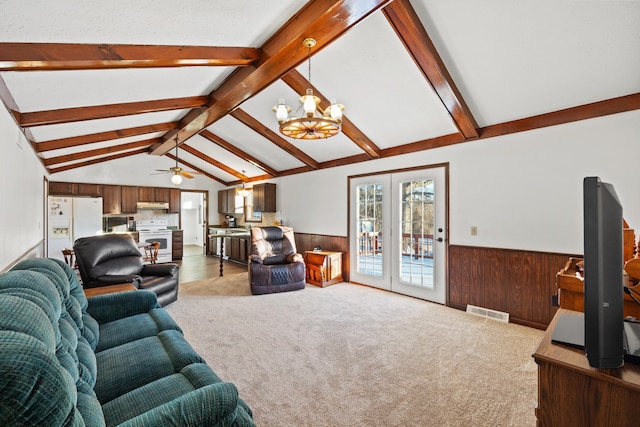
[
  {"x": 110, "y": 259},
  {"x": 274, "y": 264}
]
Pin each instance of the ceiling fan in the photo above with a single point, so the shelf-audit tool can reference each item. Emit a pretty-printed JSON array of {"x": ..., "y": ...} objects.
[{"x": 177, "y": 171}]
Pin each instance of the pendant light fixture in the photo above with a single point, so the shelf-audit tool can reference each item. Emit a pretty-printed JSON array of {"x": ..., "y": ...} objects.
[
  {"x": 244, "y": 192},
  {"x": 308, "y": 122}
]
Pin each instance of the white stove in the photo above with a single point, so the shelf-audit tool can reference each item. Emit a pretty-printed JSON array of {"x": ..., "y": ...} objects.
[{"x": 155, "y": 230}]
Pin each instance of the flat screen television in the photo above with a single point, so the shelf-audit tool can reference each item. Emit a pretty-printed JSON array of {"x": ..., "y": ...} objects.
[{"x": 603, "y": 275}]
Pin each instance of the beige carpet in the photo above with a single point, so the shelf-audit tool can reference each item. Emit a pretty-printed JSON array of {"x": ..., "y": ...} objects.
[{"x": 349, "y": 355}]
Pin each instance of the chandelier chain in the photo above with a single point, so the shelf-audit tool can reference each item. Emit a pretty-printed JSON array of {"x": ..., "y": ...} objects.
[{"x": 309, "y": 61}]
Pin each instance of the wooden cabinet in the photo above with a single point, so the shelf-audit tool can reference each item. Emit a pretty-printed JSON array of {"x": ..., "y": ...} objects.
[
  {"x": 111, "y": 199},
  {"x": 174, "y": 200},
  {"x": 161, "y": 195},
  {"x": 146, "y": 194},
  {"x": 227, "y": 201},
  {"x": 74, "y": 189},
  {"x": 571, "y": 393},
  {"x": 236, "y": 248},
  {"x": 222, "y": 202},
  {"x": 324, "y": 268},
  {"x": 61, "y": 188},
  {"x": 90, "y": 190},
  {"x": 177, "y": 244},
  {"x": 129, "y": 200},
  {"x": 264, "y": 197}
]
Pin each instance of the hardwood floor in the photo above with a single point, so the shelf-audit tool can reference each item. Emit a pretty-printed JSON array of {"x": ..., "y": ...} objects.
[{"x": 197, "y": 266}]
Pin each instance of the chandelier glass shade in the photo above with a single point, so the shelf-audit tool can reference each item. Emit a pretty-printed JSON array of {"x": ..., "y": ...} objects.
[
  {"x": 176, "y": 179},
  {"x": 308, "y": 122}
]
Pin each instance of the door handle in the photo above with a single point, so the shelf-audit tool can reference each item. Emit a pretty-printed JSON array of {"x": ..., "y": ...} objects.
[{"x": 440, "y": 239}]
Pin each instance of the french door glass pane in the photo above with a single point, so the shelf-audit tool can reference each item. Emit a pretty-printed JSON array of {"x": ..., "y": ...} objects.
[
  {"x": 417, "y": 225},
  {"x": 369, "y": 223}
]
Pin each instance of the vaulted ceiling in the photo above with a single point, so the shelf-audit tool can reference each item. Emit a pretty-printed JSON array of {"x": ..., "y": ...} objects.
[{"x": 92, "y": 82}]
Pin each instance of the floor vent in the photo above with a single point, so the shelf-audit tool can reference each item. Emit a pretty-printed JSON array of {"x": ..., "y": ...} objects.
[{"x": 491, "y": 314}]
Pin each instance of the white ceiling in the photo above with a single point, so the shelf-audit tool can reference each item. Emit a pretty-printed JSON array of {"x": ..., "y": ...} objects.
[{"x": 509, "y": 60}]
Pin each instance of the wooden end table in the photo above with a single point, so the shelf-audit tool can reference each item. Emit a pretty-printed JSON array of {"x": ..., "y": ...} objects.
[{"x": 120, "y": 287}]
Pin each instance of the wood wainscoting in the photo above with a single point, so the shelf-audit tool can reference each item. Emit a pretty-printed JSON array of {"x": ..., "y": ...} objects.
[
  {"x": 517, "y": 282},
  {"x": 306, "y": 242}
]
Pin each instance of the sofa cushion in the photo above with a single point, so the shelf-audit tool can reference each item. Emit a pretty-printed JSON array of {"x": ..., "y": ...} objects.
[
  {"x": 133, "y": 328},
  {"x": 158, "y": 392},
  {"x": 126, "y": 367}
]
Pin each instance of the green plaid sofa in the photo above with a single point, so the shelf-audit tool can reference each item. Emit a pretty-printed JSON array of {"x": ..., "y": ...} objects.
[{"x": 116, "y": 359}]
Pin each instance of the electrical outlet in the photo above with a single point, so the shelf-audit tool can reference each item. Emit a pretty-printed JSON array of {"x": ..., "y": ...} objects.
[{"x": 474, "y": 230}]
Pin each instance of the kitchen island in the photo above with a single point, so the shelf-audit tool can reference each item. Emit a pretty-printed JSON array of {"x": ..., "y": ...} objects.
[{"x": 237, "y": 244}]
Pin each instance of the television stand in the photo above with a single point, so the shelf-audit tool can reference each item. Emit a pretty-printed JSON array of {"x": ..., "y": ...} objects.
[{"x": 570, "y": 392}]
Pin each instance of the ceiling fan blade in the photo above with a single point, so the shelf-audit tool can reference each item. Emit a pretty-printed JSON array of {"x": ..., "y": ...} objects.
[
  {"x": 163, "y": 170},
  {"x": 186, "y": 174}
]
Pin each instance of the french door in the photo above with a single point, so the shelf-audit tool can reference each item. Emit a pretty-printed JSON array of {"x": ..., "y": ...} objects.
[{"x": 398, "y": 232}]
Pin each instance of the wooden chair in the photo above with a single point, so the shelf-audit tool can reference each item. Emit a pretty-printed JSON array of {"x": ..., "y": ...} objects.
[
  {"x": 69, "y": 258},
  {"x": 151, "y": 252},
  {"x": 632, "y": 267}
]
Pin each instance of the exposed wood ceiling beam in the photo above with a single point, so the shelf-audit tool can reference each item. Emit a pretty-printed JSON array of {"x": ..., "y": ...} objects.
[
  {"x": 211, "y": 161},
  {"x": 238, "y": 152},
  {"x": 195, "y": 168},
  {"x": 75, "y": 141},
  {"x": 567, "y": 115},
  {"x": 413, "y": 35},
  {"x": 96, "y": 161},
  {"x": 98, "y": 152},
  {"x": 7, "y": 99},
  {"x": 325, "y": 20},
  {"x": 67, "y": 56},
  {"x": 247, "y": 180},
  {"x": 77, "y": 114},
  {"x": 263, "y": 130},
  {"x": 299, "y": 84}
]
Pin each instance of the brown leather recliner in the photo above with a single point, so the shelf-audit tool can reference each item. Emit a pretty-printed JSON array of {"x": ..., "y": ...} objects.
[
  {"x": 110, "y": 259},
  {"x": 274, "y": 264}
]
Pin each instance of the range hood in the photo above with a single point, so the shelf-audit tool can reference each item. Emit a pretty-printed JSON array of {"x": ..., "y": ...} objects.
[{"x": 152, "y": 205}]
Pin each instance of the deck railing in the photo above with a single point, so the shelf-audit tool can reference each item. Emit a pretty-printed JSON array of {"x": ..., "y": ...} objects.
[{"x": 416, "y": 245}]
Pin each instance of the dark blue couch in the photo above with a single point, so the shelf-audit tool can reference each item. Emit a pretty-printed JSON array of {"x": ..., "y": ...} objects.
[{"x": 116, "y": 359}]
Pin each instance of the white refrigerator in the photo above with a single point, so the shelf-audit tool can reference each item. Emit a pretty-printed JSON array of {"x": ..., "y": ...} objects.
[{"x": 71, "y": 218}]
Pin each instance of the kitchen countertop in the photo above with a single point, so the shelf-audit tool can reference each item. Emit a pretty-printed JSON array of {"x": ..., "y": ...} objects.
[{"x": 229, "y": 232}]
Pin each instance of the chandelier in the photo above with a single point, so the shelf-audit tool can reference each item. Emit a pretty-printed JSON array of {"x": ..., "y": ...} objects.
[{"x": 308, "y": 122}]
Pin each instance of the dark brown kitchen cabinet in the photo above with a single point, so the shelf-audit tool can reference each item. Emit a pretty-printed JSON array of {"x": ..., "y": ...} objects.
[
  {"x": 111, "y": 199},
  {"x": 177, "y": 244},
  {"x": 174, "y": 200},
  {"x": 264, "y": 197},
  {"x": 227, "y": 201},
  {"x": 153, "y": 194},
  {"x": 129, "y": 199},
  {"x": 146, "y": 194},
  {"x": 74, "y": 189},
  {"x": 161, "y": 195},
  {"x": 90, "y": 190},
  {"x": 236, "y": 249},
  {"x": 61, "y": 188}
]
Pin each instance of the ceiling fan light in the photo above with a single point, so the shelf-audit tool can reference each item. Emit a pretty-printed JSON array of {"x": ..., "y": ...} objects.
[{"x": 176, "y": 179}]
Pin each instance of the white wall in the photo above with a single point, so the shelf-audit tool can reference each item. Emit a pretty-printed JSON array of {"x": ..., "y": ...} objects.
[
  {"x": 522, "y": 191},
  {"x": 21, "y": 193}
]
